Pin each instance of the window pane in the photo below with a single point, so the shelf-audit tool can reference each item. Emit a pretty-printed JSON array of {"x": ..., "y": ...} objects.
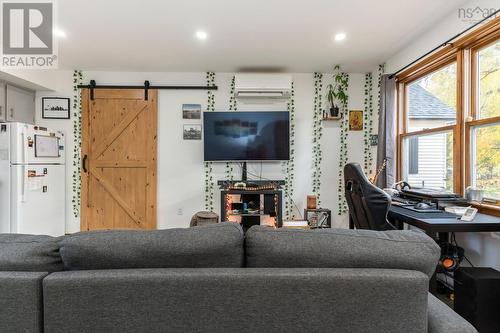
[
  {"x": 489, "y": 81},
  {"x": 413, "y": 155},
  {"x": 428, "y": 161},
  {"x": 432, "y": 100},
  {"x": 486, "y": 160}
]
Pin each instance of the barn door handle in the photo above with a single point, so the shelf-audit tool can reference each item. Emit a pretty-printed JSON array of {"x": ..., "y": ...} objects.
[{"x": 84, "y": 160}]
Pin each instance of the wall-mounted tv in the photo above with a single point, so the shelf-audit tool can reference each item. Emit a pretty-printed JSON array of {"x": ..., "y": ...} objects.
[{"x": 246, "y": 136}]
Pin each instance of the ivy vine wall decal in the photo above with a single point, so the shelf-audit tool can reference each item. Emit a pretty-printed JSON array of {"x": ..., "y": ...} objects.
[
  {"x": 317, "y": 155},
  {"x": 233, "y": 106},
  {"x": 77, "y": 140},
  {"x": 381, "y": 70},
  {"x": 344, "y": 126},
  {"x": 209, "y": 181},
  {"x": 289, "y": 166},
  {"x": 368, "y": 120}
]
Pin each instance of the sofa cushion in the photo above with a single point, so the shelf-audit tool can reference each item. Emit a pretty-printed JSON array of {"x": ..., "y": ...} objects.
[
  {"x": 218, "y": 245},
  {"x": 241, "y": 300},
  {"x": 29, "y": 253},
  {"x": 21, "y": 308},
  {"x": 342, "y": 248}
]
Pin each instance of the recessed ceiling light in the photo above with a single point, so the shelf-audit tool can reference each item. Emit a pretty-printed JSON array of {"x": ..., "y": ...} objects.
[
  {"x": 201, "y": 35},
  {"x": 339, "y": 36},
  {"x": 59, "y": 33}
]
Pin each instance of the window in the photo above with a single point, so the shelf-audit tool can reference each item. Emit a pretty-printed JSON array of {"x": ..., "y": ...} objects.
[
  {"x": 428, "y": 161},
  {"x": 488, "y": 76},
  {"x": 449, "y": 117},
  {"x": 483, "y": 127},
  {"x": 432, "y": 99},
  {"x": 486, "y": 160},
  {"x": 413, "y": 155},
  {"x": 429, "y": 123}
]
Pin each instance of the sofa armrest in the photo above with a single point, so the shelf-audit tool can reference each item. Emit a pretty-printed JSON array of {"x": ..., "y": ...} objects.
[
  {"x": 21, "y": 301},
  {"x": 442, "y": 319}
]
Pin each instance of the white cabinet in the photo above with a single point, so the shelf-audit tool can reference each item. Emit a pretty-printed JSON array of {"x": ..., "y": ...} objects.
[{"x": 19, "y": 104}]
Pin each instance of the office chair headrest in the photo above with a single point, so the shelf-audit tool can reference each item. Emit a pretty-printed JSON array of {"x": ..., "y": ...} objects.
[{"x": 367, "y": 203}]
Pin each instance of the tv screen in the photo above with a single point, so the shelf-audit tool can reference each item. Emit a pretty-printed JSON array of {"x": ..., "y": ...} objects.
[{"x": 246, "y": 136}]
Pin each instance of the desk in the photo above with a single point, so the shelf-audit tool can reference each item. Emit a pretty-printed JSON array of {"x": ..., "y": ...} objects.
[
  {"x": 433, "y": 226},
  {"x": 439, "y": 228}
]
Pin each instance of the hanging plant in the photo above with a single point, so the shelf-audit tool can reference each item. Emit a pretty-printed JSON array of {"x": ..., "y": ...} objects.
[
  {"x": 344, "y": 126},
  {"x": 288, "y": 167},
  {"x": 209, "y": 181},
  {"x": 336, "y": 95},
  {"x": 368, "y": 120},
  {"x": 317, "y": 134},
  {"x": 233, "y": 106},
  {"x": 77, "y": 142}
]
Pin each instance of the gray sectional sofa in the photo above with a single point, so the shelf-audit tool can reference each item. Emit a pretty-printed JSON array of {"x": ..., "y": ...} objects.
[{"x": 218, "y": 279}]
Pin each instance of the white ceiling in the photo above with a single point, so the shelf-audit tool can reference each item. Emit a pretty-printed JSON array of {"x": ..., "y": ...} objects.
[{"x": 291, "y": 35}]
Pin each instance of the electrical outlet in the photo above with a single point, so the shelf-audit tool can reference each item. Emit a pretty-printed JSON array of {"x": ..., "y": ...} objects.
[{"x": 180, "y": 211}]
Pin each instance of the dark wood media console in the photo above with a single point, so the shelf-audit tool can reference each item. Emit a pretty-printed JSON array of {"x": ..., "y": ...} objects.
[{"x": 250, "y": 206}]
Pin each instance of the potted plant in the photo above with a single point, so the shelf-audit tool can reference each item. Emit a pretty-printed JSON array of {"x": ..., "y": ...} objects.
[{"x": 336, "y": 95}]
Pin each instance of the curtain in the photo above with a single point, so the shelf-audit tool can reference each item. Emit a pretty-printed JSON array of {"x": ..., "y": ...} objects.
[{"x": 387, "y": 132}]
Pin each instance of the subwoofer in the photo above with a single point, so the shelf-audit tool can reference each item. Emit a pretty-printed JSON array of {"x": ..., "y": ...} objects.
[{"x": 477, "y": 297}]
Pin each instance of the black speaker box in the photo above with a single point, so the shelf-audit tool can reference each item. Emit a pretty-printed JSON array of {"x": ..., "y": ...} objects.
[{"x": 477, "y": 297}]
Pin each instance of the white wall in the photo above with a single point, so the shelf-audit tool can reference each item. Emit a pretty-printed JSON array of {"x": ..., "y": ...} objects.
[
  {"x": 62, "y": 84},
  {"x": 448, "y": 27},
  {"x": 180, "y": 163},
  {"x": 483, "y": 249}
]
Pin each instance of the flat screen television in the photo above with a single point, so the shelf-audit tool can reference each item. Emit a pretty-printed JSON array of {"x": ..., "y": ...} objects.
[{"x": 246, "y": 136}]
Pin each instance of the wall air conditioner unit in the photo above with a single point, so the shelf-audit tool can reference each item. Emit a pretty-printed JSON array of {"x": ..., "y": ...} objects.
[{"x": 262, "y": 88}]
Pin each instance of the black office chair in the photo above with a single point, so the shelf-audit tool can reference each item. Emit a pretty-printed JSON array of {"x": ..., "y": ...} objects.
[{"x": 368, "y": 205}]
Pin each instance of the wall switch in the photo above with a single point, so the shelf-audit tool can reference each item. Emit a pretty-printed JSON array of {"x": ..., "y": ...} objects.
[{"x": 180, "y": 211}]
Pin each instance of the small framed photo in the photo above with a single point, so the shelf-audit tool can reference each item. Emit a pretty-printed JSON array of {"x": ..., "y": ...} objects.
[
  {"x": 192, "y": 132},
  {"x": 355, "y": 120},
  {"x": 191, "y": 111},
  {"x": 55, "y": 108}
]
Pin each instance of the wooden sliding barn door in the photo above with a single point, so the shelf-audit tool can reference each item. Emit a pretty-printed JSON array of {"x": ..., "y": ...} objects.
[{"x": 118, "y": 159}]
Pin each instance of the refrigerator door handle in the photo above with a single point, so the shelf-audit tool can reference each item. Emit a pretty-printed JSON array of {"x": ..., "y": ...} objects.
[
  {"x": 23, "y": 143},
  {"x": 23, "y": 186},
  {"x": 84, "y": 162}
]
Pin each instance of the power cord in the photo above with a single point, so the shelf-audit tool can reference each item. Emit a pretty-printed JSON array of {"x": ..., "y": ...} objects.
[{"x": 454, "y": 242}]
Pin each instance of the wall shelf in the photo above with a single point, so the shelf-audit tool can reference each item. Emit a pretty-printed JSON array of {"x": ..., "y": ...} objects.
[{"x": 332, "y": 118}]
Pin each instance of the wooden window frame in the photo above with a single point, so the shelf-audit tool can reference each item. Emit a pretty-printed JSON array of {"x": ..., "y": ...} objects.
[
  {"x": 463, "y": 52},
  {"x": 473, "y": 120},
  {"x": 456, "y": 129}
]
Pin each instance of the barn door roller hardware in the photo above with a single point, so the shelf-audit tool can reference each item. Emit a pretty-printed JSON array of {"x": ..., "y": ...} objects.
[{"x": 147, "y": 86}]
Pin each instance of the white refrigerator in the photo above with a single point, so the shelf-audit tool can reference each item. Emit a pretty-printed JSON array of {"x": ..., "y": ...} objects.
[{"x": 32, "y": 180}]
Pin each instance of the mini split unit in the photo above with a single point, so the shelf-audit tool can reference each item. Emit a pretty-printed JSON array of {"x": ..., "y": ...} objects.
[{"x": 262, "y": 88}]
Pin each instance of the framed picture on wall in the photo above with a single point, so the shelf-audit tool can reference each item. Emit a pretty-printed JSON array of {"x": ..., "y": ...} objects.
[
  {"x": 191, "y": 111},
  {"x": 192, "y": 132},
  {"x": 55, "y": 108},
  {"x": 355, "y": 120}
]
